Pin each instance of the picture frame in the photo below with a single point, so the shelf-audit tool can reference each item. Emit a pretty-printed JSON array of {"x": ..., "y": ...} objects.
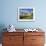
[{"x": 26, "y": 14}]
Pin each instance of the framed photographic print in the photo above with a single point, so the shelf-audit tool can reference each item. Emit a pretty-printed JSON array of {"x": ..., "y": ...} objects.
[{"x": 26, "y": 14}]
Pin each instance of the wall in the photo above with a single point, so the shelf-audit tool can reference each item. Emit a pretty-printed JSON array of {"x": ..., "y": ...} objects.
[{"x": 8, "y": 13}]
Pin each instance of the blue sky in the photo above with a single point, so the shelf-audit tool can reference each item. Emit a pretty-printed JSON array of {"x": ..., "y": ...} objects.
[{"x": 26, "y": 10}]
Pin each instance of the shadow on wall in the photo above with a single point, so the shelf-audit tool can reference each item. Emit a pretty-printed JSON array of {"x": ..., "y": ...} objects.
[{"x": 2, "y": 26}]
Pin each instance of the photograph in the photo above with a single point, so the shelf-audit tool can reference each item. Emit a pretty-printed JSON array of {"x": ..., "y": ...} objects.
[{"x": 26, "y": 14}]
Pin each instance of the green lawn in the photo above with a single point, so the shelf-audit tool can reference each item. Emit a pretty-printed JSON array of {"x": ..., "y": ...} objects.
[{"x": 26, "y": 16}]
